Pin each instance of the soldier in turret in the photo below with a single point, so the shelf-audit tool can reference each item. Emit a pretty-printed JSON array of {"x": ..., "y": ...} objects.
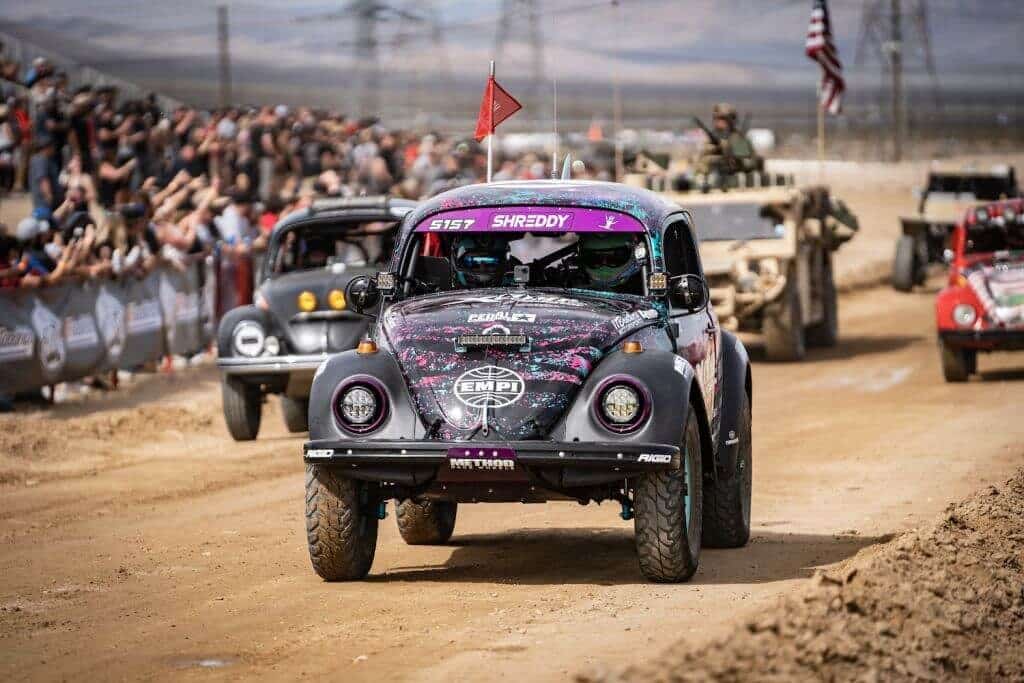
[{"x": 728, "y": 150}]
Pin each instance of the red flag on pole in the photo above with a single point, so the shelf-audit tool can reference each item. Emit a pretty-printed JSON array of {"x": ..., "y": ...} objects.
[{"x": 496, "y": 106}]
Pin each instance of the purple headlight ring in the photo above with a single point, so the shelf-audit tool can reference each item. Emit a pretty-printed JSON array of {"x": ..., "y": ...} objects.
[
  {"x": 633, "y": 383},
  {"x": 368, "y": 382}
]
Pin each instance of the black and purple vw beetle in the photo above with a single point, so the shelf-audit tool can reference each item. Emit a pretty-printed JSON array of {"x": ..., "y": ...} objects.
[{"x": 505, "y": 366}]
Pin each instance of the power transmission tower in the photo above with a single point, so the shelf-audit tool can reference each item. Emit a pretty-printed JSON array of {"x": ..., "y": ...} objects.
[
  {"x": 882, "y": 33},
  {"x": 224, "y": 51},
  {"x": 368, "y": 14},
  {"x": 523, "y": 16}
]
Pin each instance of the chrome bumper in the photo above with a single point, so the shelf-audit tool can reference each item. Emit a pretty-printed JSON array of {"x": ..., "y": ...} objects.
[{"x": 272, "y": 365}]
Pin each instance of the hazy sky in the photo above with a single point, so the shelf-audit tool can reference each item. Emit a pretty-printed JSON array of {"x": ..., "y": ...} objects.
[{"x": 679, "y": 42}]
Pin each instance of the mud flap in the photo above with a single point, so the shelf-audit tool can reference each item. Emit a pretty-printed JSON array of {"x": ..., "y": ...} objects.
[{"x": 735, "y": 378}]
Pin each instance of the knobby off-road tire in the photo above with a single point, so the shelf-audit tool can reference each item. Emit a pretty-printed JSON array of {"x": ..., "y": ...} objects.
[
  {"x": 727, "y": 501},
  {"x": 428, "y": 522},
  {"x": 667, "y": 539},
  {"x": 826, "y": 333},
  {"x": 243, "y": 408},
  {"x": 295, "y": 412},
  {"x": 904, "y": 266},
  {"x": 341, "y": 529},
  {"x": 957, "y": 364},
  {"x": 783, "y": 326}
]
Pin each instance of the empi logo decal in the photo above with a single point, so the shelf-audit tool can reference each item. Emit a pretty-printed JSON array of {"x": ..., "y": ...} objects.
[{"x": 489, "y": 387}]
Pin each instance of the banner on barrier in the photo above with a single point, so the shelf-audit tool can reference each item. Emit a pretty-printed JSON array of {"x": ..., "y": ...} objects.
[{"x": 63, "y": 333}]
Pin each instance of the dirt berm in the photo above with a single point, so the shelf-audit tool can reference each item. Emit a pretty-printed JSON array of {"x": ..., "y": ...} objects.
[{"x": 943, "y": 602}]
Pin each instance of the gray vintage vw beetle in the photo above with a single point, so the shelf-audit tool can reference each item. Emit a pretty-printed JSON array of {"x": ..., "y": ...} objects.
[
  {"x": 299, "y": 315},
  {"x": 536, "y": 341}
]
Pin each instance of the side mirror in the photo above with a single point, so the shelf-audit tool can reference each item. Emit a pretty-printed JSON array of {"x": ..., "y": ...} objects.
[
  {"x": 690, "y": 293},
  {"x": 362, "y": 294}
]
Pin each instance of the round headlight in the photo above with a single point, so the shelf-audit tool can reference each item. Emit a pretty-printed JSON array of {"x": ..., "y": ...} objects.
[
  {"x": 336, "y": 300},
  {"x": 621, "y": 404},
  {"x": 360, "y": 404},
  {"x": 964, "y": 315},
  {"x": 248, "y": 338},
  {"x": 306, "y": 301}
]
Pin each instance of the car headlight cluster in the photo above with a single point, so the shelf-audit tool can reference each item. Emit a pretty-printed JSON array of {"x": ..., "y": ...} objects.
[
  {"x": 249, "y": 338},
  {"x": 251, "y": 341},
  {"x": 622, "y": 405},
  {"x": 360, "y": 404},
  {"x": 964, "y": 315}
]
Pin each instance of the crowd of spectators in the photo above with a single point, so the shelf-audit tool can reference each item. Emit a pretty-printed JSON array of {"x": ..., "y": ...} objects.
[{"x": 119, "y": 185}]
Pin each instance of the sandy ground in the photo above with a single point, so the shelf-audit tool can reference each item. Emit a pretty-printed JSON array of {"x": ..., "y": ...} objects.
[
  {"x": 138, "y": 541},
  {"x": 943, "y": 602}
]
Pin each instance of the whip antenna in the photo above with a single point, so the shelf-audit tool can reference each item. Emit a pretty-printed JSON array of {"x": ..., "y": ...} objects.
[{"x": 554, "y": 149}]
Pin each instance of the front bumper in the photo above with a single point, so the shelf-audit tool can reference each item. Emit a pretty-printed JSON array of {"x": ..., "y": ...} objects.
[
  {"x": 984, "y": 340},
  {"x": 272, "y": 365},
  {"x": 623, "y": 456}
]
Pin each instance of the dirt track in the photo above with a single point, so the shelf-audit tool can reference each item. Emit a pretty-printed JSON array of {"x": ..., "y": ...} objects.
[{"x": 146, "y": 544}]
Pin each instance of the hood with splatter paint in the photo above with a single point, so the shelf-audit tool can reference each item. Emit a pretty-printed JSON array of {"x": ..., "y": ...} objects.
[{"x": 510, "y": 359}]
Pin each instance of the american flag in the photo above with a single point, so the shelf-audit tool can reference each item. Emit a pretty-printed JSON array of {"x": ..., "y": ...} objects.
[{"x": 822, "y": 49}]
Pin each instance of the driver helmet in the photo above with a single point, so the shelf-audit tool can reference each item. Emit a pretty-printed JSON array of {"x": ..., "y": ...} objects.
[
  {"x": 608, "y": 260},
  {"x": 480, "y": 260}
]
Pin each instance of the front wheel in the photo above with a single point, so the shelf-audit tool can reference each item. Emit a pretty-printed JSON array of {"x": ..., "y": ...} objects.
[
  {"x": 783, "y": 326},
  {"x": 957, "y": 364},
  {"x": 727, "y": 501},
  {"x": 825, "y": 333},
  {"x": 243, "y": 406},
  {"x": 341, "y": 527},
  {"x": 667, "y": 514},
  {"x": 428, "y": 522},
  {"x": 295, "y": 412},
  {"x": 905, "y": 265}
]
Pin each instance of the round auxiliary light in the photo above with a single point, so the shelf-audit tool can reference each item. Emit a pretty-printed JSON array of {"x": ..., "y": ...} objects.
[
  {"x": 272, "y": 346},
  {"x": 360, "y": 405},
  {"x": 964, "y": 315},
  {"x": 248, "y": 338},
  {"x": 981, "y": 215},
  {"x": 621, "y": 404},
  {"x": 1009, "y": 214},
  {"x": 336, "y": 300},
  {"x": 306, "y": 301}
]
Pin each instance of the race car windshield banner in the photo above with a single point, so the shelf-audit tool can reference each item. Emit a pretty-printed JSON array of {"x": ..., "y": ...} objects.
[{"x": 535, "y": 219}]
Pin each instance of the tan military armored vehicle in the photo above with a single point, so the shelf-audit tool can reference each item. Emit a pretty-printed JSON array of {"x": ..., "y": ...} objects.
[{"x": 767, "y": 255}]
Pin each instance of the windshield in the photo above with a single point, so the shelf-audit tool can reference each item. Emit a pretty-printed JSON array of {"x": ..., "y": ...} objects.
[
  {"x": 981, "y": 187},
  {"x": 567, "y": 247},
  {"x": 728, "y": 222},
  {"x": 986, "y": 238},
  {"x": 310, "y": 247}
]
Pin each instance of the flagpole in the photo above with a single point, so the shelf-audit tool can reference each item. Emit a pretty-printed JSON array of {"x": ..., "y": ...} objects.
[
  {"x": 490, "y": 137},
  {"x": 821, "y": 136}
]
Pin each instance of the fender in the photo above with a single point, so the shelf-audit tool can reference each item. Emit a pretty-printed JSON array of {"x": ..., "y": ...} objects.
[
  {"x": 668, "y": 378},
  {"x": 402, "y": 421},
  {"x": 735, "y": 382},
  {"x": 231, "y": 319}
]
